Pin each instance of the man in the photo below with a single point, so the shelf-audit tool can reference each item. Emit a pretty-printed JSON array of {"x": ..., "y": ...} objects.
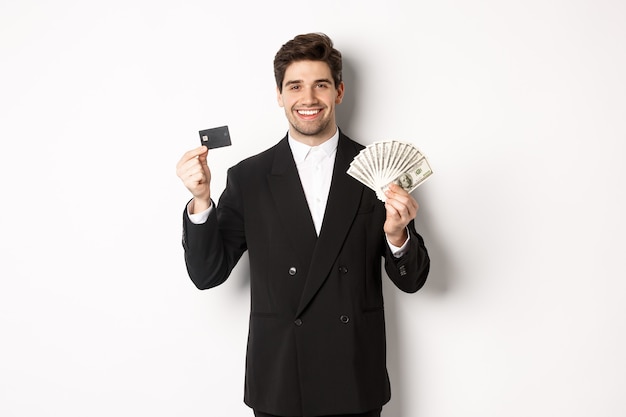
[{"x": 315, "y": 239}]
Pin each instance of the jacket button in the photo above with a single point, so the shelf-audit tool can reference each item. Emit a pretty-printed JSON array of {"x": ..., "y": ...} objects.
[
  {"x": 298, "y": 322},
  {"x": 292, "y": 271},
  {"x": 343, "y": 269},
  {"x": 344, "y": 319}
]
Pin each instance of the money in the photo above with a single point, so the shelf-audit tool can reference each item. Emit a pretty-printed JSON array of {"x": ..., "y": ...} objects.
[{"x": 382, "y": 163}]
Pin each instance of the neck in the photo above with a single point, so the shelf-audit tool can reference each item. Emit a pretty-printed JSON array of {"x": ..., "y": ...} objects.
[{"x": 312, "y": 140}]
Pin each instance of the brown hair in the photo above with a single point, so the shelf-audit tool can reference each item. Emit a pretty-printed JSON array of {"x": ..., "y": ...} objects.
[{"x": 311, "y": 47}]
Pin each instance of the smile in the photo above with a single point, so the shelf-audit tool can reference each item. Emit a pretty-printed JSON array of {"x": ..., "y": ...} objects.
[{"x": 308, "y": 112}]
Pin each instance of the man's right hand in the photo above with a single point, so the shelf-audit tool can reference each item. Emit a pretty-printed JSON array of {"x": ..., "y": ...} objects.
[{"x": 194, "y": 171}]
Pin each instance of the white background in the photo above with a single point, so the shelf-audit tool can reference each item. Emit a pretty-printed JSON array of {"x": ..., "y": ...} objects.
[{"x": 519, "y": 105}]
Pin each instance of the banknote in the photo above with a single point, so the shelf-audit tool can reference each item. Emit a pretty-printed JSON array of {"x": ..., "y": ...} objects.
[
  {"x": 411, "y": 178},
  {"x": 385, "y": 162}
]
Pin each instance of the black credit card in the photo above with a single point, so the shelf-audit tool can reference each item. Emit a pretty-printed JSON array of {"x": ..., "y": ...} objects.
[{"x": 216, "y": 137}]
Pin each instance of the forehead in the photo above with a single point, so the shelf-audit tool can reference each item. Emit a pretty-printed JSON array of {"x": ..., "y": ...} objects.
[{"x": 307, "y": 71}]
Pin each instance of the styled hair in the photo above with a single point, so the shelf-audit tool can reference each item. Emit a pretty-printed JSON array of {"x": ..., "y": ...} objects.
[{"x": 307, "y": 47}]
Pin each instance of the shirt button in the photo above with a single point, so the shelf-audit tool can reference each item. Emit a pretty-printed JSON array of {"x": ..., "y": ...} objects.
[
  {"x": 292, "y": 271},
  {"x": 343, "y": 269},
  {"x": 298, "y": 322},
  {"x": 344, "y": 319}
]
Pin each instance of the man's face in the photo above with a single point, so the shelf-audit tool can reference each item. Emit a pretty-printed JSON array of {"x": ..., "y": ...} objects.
[{"x": 309, "y": 97}]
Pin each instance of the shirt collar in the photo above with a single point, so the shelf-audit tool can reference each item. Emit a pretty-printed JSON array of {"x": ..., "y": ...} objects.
[{"x": 300, "y": 150}]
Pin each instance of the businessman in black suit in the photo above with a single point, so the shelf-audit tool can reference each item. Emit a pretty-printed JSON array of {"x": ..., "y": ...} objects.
[{"x": 316, "y": 239}]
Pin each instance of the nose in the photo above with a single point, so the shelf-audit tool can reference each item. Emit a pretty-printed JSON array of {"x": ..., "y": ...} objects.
[{"x": 309, "y": 96}]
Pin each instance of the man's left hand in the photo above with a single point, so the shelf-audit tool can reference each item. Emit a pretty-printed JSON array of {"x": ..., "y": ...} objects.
[{"x": 401, "y": 209}]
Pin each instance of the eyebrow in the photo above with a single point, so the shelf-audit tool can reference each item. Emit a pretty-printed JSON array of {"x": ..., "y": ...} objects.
[{"x": 322, "y": 80}]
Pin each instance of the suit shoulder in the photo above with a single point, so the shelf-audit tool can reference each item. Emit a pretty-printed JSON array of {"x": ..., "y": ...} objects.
[
  {"x": 347, "y": 147},
  {"x": 350, "y": 142}
]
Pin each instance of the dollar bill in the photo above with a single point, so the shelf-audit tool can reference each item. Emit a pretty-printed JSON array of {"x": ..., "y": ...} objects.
[
  {"x": 385, "y": 162},
  {"x": 412, "y": 178}
]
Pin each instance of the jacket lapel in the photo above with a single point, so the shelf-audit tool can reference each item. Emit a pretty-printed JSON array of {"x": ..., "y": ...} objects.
[
  {"x": 342, "y": 206},
  {"x": 291, "y": 205}
]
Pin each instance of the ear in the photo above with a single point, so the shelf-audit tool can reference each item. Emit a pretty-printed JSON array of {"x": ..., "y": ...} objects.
[
  {"x": 279, "y": 98},
  {"x": 340, "y": 91}
]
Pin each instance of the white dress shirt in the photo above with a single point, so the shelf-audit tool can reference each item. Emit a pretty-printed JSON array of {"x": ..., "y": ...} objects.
[{"x": 315, "y": 167}]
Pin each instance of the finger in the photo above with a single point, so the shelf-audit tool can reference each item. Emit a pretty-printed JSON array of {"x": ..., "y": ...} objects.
[
  {"x": 203, "y": 156},
  {"x": 196, "y": 165},
  {"x": 192, "y": 173},
  {"x": 398, "y": 193},
  {"x": 402, "y": 209},
  {"x": 184, "y": 169},
  {"x": 400, "y": 196},
  {"x": 195, "y": 178},
  {"x": 396, "y": 209},
  {"x": 397, "y": 189},
  {"x": 190, "y": 160},
  {"x": 192, "y": 154}
]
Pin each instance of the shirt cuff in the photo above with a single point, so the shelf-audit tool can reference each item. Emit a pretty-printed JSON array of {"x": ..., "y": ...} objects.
[
  {"x": 199, "y": 218},
  {"x": 396, "y": 251}
]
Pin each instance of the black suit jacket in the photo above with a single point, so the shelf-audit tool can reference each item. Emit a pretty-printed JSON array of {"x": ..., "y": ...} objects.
[{"x": 316, "y": 341}]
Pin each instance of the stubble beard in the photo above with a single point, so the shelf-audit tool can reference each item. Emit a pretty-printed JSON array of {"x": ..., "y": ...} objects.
[{"x": 310, "y": 129}]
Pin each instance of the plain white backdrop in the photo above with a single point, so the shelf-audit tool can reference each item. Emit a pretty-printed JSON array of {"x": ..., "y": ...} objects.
[{"x": 520, "y": 107}]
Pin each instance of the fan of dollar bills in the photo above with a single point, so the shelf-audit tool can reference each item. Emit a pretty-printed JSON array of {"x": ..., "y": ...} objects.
[{"x": 386, "y": 162}]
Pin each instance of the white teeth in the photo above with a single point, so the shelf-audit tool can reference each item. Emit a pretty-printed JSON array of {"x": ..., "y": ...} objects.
[{"x": 308, "y": 112}]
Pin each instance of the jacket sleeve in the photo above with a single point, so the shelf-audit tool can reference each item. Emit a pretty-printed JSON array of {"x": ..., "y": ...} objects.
[
  {"x": 409, "y": 272},
  {"x": 212, "y": 249}
]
